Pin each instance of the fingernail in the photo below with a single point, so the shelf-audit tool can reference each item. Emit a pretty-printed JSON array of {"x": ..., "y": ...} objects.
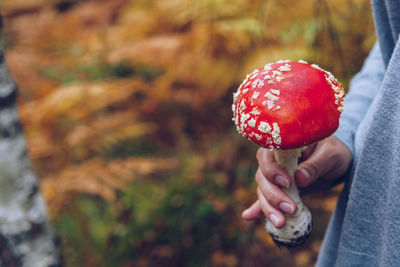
[
  {"x": 306, "y": 174},
  {"x": 274, "y": 219},
  {"x": 286, "y": 207},
  {"x": 280, "y": 180},
  {"x": 245, "y": 213}
]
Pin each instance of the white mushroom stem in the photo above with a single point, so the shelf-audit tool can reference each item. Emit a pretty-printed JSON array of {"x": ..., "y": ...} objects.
[{"x": 297, "y": 227}]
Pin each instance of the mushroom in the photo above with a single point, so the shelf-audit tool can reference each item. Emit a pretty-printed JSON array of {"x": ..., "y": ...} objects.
[{"x": 286, "y": 106}]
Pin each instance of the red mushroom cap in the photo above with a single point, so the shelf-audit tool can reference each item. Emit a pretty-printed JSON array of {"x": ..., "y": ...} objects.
[{"x": 288, "y": 105}]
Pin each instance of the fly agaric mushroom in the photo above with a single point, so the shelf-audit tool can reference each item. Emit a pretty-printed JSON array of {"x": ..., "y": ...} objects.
[{"x": 285, "y": 107}]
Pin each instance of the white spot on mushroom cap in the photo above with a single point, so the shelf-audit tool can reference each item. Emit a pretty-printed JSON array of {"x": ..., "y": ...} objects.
[
  {"x": 237, "y": 116},
  {"x": 256, "y": 83},
  {"x": 276, "y": 73},
  {"x": 271, "y": 96},
  {"x": 235, "y": 95},
  {"x": 264, "y": 127},
  {"x": 270, "y": 104},
  {"x": 276, "y": 134},
  {"x": 339, "y": 92},
  {"x": 276, "y": 92},
  {"x": 244, "y": 118},
  {"x": 252, "y": 122},
  {"x": 315, "y": 66},
  {"x": 255, "y": 111},
  {"x": 285, "y": 67},
  {"x": 242, "y": 105},
  {"x": 278, "y": 140},
  {"x": 269, "y": 144},
  {"x": 244, "y": 83},
  {"x": 268, "y": 66}
]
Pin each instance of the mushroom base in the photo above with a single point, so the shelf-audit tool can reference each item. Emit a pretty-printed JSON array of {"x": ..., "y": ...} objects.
[
  {"x": 293, "y": 242},
  {"x": 296, "y": 230}
]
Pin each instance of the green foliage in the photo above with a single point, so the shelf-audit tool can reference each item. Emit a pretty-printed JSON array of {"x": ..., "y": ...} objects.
[
  {"x": 308, "y": 31},
  {"x": 172, "y": 222},
  {"x": 129, "y": 148}
]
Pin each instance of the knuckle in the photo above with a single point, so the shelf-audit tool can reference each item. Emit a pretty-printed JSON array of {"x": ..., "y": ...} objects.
[
  {"x": 263, "y": 176},
  {"x": 273, "y": 198},
  {"x": 272, "y": 195},
  {"x": 327, "y": 148},
  {"x": 265, "y": 205},
  {"x": 337, "y": 159},
  {"x": 331, "y": 147}
]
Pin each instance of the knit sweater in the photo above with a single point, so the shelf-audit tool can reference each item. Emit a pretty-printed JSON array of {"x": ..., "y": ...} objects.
[{"x": 365, "y": 227}]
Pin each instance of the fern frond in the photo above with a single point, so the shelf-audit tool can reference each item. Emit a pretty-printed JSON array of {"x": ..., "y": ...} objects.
[
  {"x": 78, "y": 101},
  {"x": 107, "y": 131},
  {"x": 100, "y": 178}
]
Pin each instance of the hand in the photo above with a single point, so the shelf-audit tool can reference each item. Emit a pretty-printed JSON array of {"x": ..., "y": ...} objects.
[{"x": 323, "y": 163}]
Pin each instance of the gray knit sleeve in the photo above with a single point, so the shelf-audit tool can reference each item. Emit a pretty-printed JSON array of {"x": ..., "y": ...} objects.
[{"x": 363, "y": 89}]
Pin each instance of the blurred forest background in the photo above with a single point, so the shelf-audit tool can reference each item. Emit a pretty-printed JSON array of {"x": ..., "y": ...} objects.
[{"x": 126, "y": 106}]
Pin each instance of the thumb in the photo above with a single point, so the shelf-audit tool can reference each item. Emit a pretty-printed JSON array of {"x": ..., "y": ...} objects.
[{"x": 317, "y": 165}]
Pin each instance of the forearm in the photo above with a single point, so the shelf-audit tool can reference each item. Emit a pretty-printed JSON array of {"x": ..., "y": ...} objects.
[{"x": 363, "y": 89}]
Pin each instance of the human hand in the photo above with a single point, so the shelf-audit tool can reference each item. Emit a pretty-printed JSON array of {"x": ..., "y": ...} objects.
[{"x": 323, "y": 162}]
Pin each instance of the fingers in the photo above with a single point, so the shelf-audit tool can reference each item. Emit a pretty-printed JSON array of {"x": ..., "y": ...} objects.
[
  {"x": 270, "y": 169},
  {"x": 274, "y": 195},
  {"x": 272, "y": 214},
  {"x": 257, "y": 209},
  {"x": 309, "y": 170},
  {"x": 253, "y": 212},
  {"x": 329, "y": 160},
  {"x": 270, "y": 177},
  {"x": 272, "y": 201}
]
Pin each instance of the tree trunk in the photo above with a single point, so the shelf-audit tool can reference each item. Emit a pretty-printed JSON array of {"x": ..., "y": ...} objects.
[{"x": 26, "y": 237}]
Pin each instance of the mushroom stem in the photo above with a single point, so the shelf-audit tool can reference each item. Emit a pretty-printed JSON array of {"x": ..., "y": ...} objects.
[{"x": 297, "y": 227}]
